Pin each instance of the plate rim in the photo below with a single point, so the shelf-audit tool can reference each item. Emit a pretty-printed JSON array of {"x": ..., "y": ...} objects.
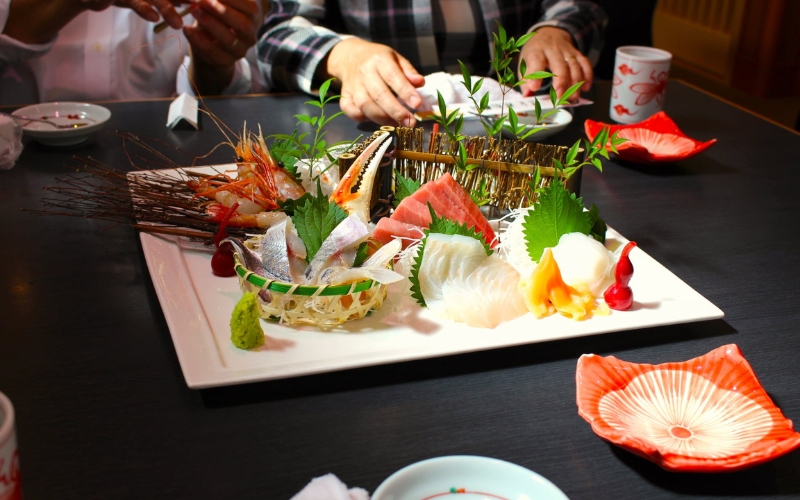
[{"x": 202, "y": 356}]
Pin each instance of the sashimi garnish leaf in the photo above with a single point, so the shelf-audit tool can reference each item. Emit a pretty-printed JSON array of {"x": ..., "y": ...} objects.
[
  {"x": 439, "y": 225},
  {"x": 558, "y": 212},
  {"x": 361, "y": 254},
  {"x": 315, "y": 220},
  {"x": 599, "y": 226},
  {"x": 403, "y": 187}
]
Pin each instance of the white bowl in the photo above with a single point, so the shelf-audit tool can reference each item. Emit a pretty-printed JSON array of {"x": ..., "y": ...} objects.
[
  {"x": 89, "y": 117},
  {"x": 471, "y": 477},
  {"x": 555, "y": 123}
]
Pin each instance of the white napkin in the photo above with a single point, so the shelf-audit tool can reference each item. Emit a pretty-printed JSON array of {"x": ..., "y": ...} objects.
[
  {"x": 456, "y": 97},
  {"x": 10, "y": 141},
  {"x": 454, "y": 93},
  {"x": 184, "y": 108},
  {"x": 329, "y": 487}
]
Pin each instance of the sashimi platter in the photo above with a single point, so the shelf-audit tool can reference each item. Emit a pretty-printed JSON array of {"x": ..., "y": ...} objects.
[{"x": 314, "y": 268}]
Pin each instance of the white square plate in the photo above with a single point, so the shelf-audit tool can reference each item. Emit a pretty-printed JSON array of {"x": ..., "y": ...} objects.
[{"x": 197, "y": 306}]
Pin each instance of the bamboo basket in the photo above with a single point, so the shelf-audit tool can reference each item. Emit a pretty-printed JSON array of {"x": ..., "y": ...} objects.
[
  {"x": 506, "y": 166},
  {"x": 321, "y": 306}
]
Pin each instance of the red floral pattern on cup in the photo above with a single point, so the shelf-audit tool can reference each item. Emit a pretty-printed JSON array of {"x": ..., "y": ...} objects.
[
  {"x": 649, "y": 91},
  {"x": 10, "y": 486},
  {"x": 627, "y": 70}
]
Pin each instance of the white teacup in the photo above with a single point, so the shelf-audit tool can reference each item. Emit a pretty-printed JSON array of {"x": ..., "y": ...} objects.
[
  {"x": 10, "y": 484},
  {"x": 640, "y": 83}
]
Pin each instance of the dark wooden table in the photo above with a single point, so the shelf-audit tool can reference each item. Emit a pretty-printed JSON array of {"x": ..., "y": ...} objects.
[{"x": 104, "y": 412}]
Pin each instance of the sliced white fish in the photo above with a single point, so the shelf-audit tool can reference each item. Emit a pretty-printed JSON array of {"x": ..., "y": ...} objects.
[
  {"x": 373, "y": 268},
  {"x": 445, "y": 258},
  {"x": 279, "y": 249},
  {"x": 338, "y": 249},
  {"x": 486, "y": 297}
]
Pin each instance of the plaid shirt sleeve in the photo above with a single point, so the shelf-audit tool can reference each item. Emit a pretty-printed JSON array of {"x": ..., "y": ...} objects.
[
  {"x": 584, "y": 20},
  {"x": 291, "y": 44}
]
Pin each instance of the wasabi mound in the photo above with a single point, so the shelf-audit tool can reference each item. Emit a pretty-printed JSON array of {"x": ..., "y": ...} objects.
[{"x": 246, "y": 332}]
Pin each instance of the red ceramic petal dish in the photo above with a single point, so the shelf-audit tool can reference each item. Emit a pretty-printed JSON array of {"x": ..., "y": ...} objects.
[
  {"x": 708, "y": 414},
  {"x": 654, "y": 140}
]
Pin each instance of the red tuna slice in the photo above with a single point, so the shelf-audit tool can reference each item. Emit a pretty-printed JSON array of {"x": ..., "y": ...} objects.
[
  {"x": 449, "y": 199},
  {"x": 413, "y": 211},
  {"x": 388, "y": 228}
]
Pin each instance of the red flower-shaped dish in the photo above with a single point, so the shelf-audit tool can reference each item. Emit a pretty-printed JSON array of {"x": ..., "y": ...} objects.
[
  {"x": 708, "y": 414},
  {"x": 654, "y": 140}
]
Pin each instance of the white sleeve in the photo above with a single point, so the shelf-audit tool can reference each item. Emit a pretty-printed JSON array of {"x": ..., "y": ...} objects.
[
  {"x": 11, "y": 49},
  {"x": 241, "y": 83}
]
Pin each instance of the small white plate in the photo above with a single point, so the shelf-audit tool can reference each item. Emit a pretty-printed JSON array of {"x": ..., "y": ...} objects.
[
  {"x": 89, "y": 117},
  {"x": 469, "y": 477},
  {"x": 555, "y": 123}
]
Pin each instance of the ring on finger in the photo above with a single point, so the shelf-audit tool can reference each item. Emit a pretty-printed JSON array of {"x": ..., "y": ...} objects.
[
  {"x": 570, "y": 58},
  {"x": 234, "y": 44}
]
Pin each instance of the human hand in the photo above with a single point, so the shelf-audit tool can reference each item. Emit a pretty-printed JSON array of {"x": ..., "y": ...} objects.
[
  {"x": 374, "y": 80},
  {"x": 149, "y": 10},
  {"x": 552, "y": 48},
  {"x": 223, "y": 32}
]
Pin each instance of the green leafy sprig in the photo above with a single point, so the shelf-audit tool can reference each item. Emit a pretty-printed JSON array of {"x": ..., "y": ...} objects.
[
  {"x": 309, "y": 146},
  {"x": 315, "y": 219}
]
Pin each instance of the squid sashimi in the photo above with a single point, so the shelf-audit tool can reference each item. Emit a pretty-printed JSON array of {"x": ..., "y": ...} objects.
[
  {"x": 584, "y": 262},
  {"x": 446, "y": 258},
  {"x": 486, "y": 297}
]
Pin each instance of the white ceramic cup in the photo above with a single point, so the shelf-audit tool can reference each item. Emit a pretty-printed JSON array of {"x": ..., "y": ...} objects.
[
  {"x": 10, "y": 483},
  {"x": 640, "y": 82}
]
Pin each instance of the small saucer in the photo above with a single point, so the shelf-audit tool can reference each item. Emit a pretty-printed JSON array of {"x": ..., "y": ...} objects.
[
  {"x": 469, "y": 477},
  {"x": 708, "y": 414},
  {"x": 89, "y": 118},
  {"x": 654, "y": 140}
]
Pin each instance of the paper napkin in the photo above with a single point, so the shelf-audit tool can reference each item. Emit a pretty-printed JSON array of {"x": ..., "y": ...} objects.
[
  {"x": 330, "y": 487},
  {"x": 184, "y": 108}
]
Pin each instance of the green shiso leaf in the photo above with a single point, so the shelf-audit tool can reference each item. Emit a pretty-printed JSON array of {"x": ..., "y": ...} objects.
[
  {"x": 557, "y": 213},
  {"x": 284, "y": 149},
  {"x": 315, "y": 220},
  {"x": 599, "y": 226},
  {"x": 403, "y": 187},
  {"x": 439, "y": 225},
  {"x": 361, "y": 254}
]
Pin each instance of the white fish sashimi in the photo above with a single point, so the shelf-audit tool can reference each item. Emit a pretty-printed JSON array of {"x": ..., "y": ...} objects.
[
  {"x": 338, "y": 249},
  {"x": 445, "y": 258},
  {"x": 374, "y": 268},
  {"x": 487, "y": 297},
  {"x": 584, "y": 263}
]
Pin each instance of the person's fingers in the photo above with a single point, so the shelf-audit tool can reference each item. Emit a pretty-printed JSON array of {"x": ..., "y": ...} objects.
[
  {"x": 205, "y": 46},
  {"x": 588, "y": 72},
  {"x": 397, "y": 80},
  {"x": 412, "y": 75},
  {"x": 349, "y": 107},
  {"x": 380, "y": 104},
  {"x": 238, "y": 15},
  {"x": 576, "y": 74},
  {"x": 144, "y": 10},
  {"x": 535, "y": 60},
  {"x": 168, "y": 12},
  {"x": 559, "y": 66},
  {"x": 217, "y": 29}
]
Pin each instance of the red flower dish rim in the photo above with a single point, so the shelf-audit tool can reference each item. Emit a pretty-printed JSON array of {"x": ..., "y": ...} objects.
[
  {"x": 597, "y": 376},
  {"x": 659, "y": 123}
]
